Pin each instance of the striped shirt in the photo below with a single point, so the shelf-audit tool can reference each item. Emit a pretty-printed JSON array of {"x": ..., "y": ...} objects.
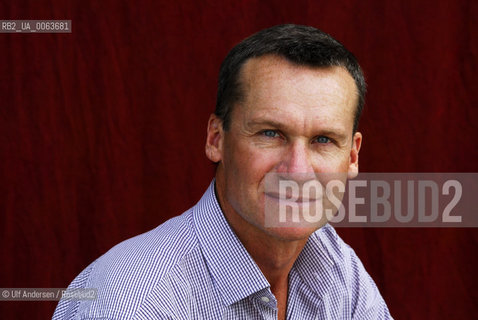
[{"x": 194, "y": 267}]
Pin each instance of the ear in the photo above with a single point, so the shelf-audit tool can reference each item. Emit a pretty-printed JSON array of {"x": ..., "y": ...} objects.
[
  {"x": 354, "y": 155},
  {"x": 214, "y": 139}
]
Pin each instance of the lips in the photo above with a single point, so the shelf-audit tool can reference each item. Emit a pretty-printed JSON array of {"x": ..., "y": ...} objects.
[{"x": 289, "y": 198}]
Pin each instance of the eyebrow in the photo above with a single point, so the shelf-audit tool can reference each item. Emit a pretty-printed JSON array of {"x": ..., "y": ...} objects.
[{"x": 266, "y": 122}]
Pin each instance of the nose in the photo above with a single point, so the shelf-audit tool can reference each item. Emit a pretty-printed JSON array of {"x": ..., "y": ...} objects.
[{"x": 297, "y": 161}]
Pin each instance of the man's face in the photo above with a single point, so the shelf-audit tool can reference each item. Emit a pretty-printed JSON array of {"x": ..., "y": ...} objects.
[{"x": 292, "y": 120}]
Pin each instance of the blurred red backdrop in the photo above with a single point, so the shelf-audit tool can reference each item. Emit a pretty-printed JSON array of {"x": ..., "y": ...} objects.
[{"x": 102, "y": 130}]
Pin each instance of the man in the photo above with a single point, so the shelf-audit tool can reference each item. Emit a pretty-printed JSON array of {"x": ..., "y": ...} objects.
[{"x": 288, "y": 103}]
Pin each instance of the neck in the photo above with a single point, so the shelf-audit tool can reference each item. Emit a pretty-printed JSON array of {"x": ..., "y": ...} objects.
[{"x": 273, "y": 255}]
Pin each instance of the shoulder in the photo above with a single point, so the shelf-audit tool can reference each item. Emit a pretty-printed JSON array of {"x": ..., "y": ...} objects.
[
  {"x": 128, "y": 272},
  {"x": 154, "y": 252},
  {"x": 148, "y": 251}
]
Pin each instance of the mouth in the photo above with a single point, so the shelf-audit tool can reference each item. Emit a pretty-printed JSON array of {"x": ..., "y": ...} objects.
[{"x": 288, "y": 197}]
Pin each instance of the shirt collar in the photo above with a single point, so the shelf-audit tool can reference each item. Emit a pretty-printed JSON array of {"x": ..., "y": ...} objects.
[
  {"x": 234, "y": 271},
  {"x": 317, "y": 263}
]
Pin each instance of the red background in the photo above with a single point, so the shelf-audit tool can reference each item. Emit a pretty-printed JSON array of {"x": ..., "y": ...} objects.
[{"x": 102, "y": 130}]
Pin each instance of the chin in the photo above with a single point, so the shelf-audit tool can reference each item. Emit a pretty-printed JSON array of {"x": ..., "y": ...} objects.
[{"x": 292, "y": 233}]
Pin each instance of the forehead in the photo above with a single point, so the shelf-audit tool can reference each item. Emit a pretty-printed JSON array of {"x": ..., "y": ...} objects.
[
  {"x": 271, "y": 84},
  {"x": 260, "y": 70}
]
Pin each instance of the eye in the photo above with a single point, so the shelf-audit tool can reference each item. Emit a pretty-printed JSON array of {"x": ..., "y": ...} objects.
[
  {"x": 270, "y": 133},
  {"x": 323, "y": 139}
]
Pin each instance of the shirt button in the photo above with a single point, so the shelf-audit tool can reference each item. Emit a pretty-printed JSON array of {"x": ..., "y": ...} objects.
[{"x": 265, "y": 299}]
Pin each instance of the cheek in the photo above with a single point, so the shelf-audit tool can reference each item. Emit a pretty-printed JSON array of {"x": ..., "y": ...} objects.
[
  {"x": 252, "y": 167},
  {"x": 263, "y": 162},
  {"x": 333, "y": 162},
  {"x": 251, "y": 161}
]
